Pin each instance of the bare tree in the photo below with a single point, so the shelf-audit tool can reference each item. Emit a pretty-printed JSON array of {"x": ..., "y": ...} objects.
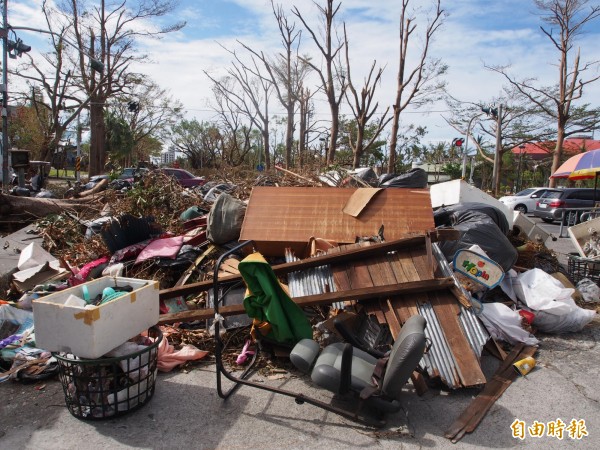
[
  {"x": 286, "y": 72},
  {"x": 236, "y": 133},
  {"x": 521, "y": 123},
  {"x": 109, "y": 31},
  {"x": 566, "y": 20},
  {"x": 332, "y": 71},
  {"x": 52, "y": 90},
  {"x": 253, "y": 99},
  {"x": 417, "y": 85},
  {"x": 363, "y": 108},
  {"x": 306, "y": 112}
]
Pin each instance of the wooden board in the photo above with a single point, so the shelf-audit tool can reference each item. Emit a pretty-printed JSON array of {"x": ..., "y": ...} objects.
[{"x": 280, "y": 217}]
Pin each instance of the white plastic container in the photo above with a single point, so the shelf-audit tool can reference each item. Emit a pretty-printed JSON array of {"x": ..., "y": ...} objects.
[
  {"x": 533, "y": 231},
  {"x": 92, "y": 331},
  {"x": 459, "y": 191}
]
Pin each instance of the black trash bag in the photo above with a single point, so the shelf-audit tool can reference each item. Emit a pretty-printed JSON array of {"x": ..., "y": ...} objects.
[
  {"x": 365, "y": 174},
  {"x": 414, "y": 178},
  {"x": 449, "y": 215},
  {"x": 126, "y": 230},
  {"x": 186, "y": 256},
  {"x": 477, "y": 228}
]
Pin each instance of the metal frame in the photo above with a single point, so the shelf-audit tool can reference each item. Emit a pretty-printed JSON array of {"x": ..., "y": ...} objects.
[{"x": 243, "y": 379}]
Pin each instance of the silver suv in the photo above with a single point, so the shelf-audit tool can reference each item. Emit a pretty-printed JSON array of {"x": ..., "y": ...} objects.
[{"x": 551, "y": 206}]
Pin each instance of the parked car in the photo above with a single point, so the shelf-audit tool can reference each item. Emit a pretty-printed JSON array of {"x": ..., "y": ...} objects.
[
  {"x": 185, "y": 178},
  {"x": 554, "y": 202},
  {"x": 130, "y": 173},
  {"x": 524, "y": 201}
]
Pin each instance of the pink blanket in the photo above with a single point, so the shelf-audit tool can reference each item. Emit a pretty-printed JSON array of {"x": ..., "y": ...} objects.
[{"x": 168, "y": 357}]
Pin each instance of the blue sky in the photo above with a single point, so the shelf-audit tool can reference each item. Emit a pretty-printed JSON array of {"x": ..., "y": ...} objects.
[{"x": 475, "y": 31}]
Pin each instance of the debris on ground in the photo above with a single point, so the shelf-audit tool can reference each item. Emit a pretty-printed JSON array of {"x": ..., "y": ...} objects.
[{"x": 357, "y": 255}]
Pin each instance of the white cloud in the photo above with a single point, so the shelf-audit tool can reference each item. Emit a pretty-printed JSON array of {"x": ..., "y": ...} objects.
[{"x": 475, "y": 31}]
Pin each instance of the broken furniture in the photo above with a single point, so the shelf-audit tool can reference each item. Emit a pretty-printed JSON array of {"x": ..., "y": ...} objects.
[
  {"x": 299, "y": 397},
  {"x": 282, "y": 217},
  {"x": 342, "y": 368}
]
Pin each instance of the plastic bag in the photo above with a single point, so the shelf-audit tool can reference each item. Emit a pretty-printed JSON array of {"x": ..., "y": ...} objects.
[
  {"x": 449, "y": 215},
  {"x": 556, "y": 312},
  {"x": 505, "y": 324},
  {"x": 414, "y": 178},
  {"x": 225, "y": 219},
  {"x": 477, "y": 228},
  {"x": 589, "y": 290}
]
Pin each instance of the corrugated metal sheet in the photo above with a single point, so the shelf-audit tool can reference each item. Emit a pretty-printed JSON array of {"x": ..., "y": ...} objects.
[
  {"x": 317, "y": 280},
  {"x": 439, "y": 359}
]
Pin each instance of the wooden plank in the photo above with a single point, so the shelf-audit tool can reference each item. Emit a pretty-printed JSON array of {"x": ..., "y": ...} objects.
[
  {"x": 404, "y": 259},
  {"x": 375, "y": 292},
  {"x": 358, "y": 272},
  {"x": 467, "y": 364},
  {"x": 295, "y": 214},
  {"x": 390, "y": 318},
  {"x": 472, "y": 416},
  {"x": 352, "y": 254}
]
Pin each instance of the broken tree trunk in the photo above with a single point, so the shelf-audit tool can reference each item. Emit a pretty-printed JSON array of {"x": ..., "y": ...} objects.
[{"x": 34, "y": 208}]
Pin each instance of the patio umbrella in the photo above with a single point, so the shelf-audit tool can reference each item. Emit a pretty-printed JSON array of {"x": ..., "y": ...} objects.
[
  {"x": 579, "y": 167},
  {"x": 588, "y": 166},
  {"x": 567, "y": 167}
]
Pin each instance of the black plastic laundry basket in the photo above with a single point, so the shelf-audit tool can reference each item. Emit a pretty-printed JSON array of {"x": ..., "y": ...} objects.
[
  {"x": 104, "y": 388},
  {"x": 579, "y": 268}
]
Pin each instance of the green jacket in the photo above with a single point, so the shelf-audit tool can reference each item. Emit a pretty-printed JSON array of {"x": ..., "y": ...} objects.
[{"x": 266, "y": 300}]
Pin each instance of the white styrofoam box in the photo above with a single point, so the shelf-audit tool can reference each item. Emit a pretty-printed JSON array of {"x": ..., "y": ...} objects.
[
  {"x": 582, "y": 232},
  {"x": 459, "y": 191},
  {"x": 33, "y": 255},
  {"x": 93, "y": 331},
  {"x": 533, "y": 231}
]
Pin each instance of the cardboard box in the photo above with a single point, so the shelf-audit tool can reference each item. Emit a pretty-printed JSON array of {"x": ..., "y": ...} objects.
[
  {"x": 459, "y": 191},
  {"x": 94, "y": 331},
  {"x": 582, "y": 233}
]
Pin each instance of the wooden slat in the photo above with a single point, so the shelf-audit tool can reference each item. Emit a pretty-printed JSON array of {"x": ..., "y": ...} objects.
[
  {"x": 468, "y": 366},
  {"x": 390, "y": 317},
  {"x": 352, "y": 254},
  {"x": 472, "y": 416},
  {"x": 358, "y": 273},
  {"x": 375, "y": 292}
]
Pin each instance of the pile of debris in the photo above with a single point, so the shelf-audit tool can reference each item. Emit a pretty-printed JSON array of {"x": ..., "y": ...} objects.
[{"x": 367, "y": 258}]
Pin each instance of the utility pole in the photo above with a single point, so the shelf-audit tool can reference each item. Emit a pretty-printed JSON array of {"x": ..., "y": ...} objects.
[
  {"x": 5, "y": 180},
  {"x": 496, "y": 171}
]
